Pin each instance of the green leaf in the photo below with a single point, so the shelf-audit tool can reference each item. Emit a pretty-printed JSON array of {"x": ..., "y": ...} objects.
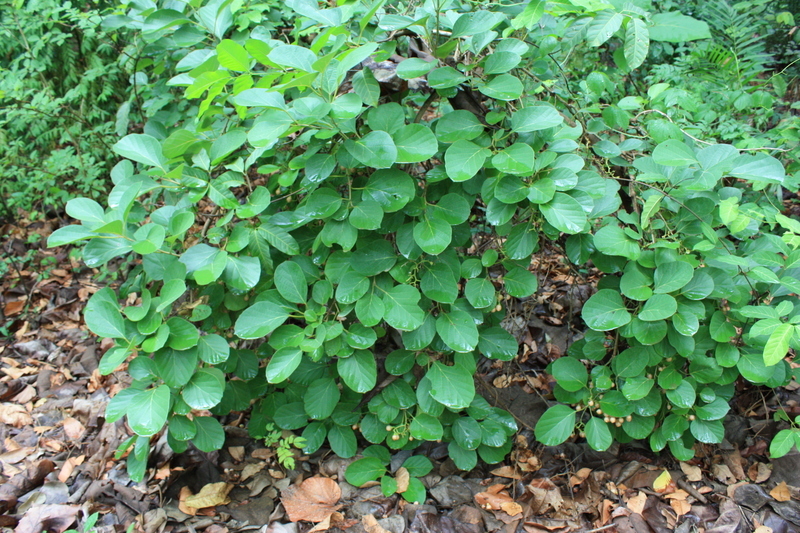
[
  {"x": 402, "y": 311},
  {"x": 174, "y": 367},
  {"x": 683, "y": 396},
  {"x": 213, "y": 349},
  {"x": 433, "y": 235},
  {"x": 529, "y": 16},
  {"x": 500, "y": 62},
  {"x": 497, "y": 343},
  {"x": 102, "y": 315},
  {"x": 520, "y": 282},
  {"x": 366, "y": 86},
  {"x": 438, "y": 284},
  {"x": 351, "y": 287},
  {"x": 366, "y": 215},
  {"x": 210, "y": 436},
  {"x": 674, "y": 27},
  {"x": 603, "y": 26},
  {"x": 605, "y": 311},
  {"x": 283, "y": 363},
  {"x": 480, "y": 293},
  {"x": 205, "y": 389},
  {"x": 720, "y": 329},
  {"x": 672, "y": 153},
  {"x": 342, "y": 440},
  {"x": 293, "y": 56},
  {"x": 564, "y": 213},
  {"x": 555, "y": 425},
  {"x": 535, "y": 118},
  {"x": 314, "y": 435},
  {"x": 392, "y": 189},
  {"x": 782, "y": 443},
  {"x": 777, "y": 346},
  {"x": 478, "y": 21},
  {"x": 233, "y": 56},
  {"x": 542, "y": 191},
  {"x": 458, "y": 125},
  {"x": 445, "y": 77},
  {"x": 467, "y": 432},
  {"x": 415, "y": 143},
  {"x": 148, "y": 409},
  {"x": 612, "y": 240},
  {"x": 321, "y": 397},
  {"x": 658, "y": 307},
  {"x": 291, "y": 416},
  {"x": 414, "y": 67},
  {"x": 516, "y": 159},
  {"x": 68, "y": 235},
  {"x": 458, "y": 330},
  {"x": 672, "y": 276},
  {"x": 464, "y": 459},
  {"x": 504, "y": 87},
  {"x": 141, "y": 148},
  {"x": 452, "y": 208},
  {"x": 418, "y": 465},
  {"x": 279, "y": 238},
  {"x": 463, "y": 159},
  {"x": 426, "y": 427},
  {"x": 598, "y": 436},
  {"x": 362, "y": 471},
  {"x": 635, "y": 282},
  {"x": 637, "y": 42},
  {"x": 376, "y": 149},
  {"x": 452, "y": 386},
  {"x": 359, "y": 371},
  {"x": 570, "y": 373},
  {"x": 259, "y": 320},
  {"x": 291, "y": 282},
  {"x": 708, "y": 431}
]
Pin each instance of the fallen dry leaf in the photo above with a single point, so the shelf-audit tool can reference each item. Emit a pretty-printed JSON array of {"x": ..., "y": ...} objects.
[
  {"x": 546, "y": 496},
  {"x": 402, "y": 477},
  {"x": 693, "y": 473},
  {"x": 251, "y": 469},
  {"x": 662, "y": 482},
  {"x": 210, "y": 495},
  {"x": 636, "y": 504},
  {"x": 506, "y": 471},
  {"x": 762, "y": 529},
  {"x": 496, "y": 498},
  {"x": 759, "y": 472},
  {"x": 781, "y": 492},
  {"x": 14, "y": 415},
  {"x": 371, "y": 524},
  {"x": 185, "y": 493},
  {"x": 681, "y": 507},
  {"x": 14, "y": 308},
  {"x": 723, "y": 474},
  {"x": 677, "y": 495},
  {"x": 69, "y": 466},
  {"x": 50, "y": 518},
  {"x": 73, "y": 429},
  {"x": 237, "y": 452},
  {"x": 314, "y": 500},
  {"x": 579, "y": 477},
  {"x": 511, "y": 508}
]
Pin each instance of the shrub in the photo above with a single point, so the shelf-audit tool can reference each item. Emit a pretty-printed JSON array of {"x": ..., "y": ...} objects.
[
  {"x": 59, "y": 93},
  {"x": 319, "y": 237}
]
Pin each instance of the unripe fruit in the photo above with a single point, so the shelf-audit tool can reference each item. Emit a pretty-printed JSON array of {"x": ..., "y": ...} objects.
[
  {"x": 395, "y": 437},
  {"x": 606, "y": 420},
  {"x": 629, "y": 418},
  {"x": 613, "y": 419},
  {"x": 389, "y": 428},
  {"x": 692, "y": 417},
  {"x": 591, "y": 403}
]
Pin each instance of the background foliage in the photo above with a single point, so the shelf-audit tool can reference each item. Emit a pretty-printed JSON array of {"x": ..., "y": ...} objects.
[{"x": 334, "y": 205}]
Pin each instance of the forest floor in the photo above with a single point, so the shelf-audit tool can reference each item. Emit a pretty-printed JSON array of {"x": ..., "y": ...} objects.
[{"x": 58, "y": 464}]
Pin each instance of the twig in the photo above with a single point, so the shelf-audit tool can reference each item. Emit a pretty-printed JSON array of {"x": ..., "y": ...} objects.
[
  {"x": 682, "y": 483},
  {"x": 424, "y": 107}
]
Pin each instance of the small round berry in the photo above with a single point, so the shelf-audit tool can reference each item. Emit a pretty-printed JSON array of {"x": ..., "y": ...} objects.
[
  {"x": 692, "y": 417},
  {"x": 591, "y": 403},
  {"x": 389, "y": 428},
  {"x": 606, "y": 419},
  {"x": 629, "y": 418},
  {"x": 395, "y": 437},
  {"x": 613, "y": 419}
]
